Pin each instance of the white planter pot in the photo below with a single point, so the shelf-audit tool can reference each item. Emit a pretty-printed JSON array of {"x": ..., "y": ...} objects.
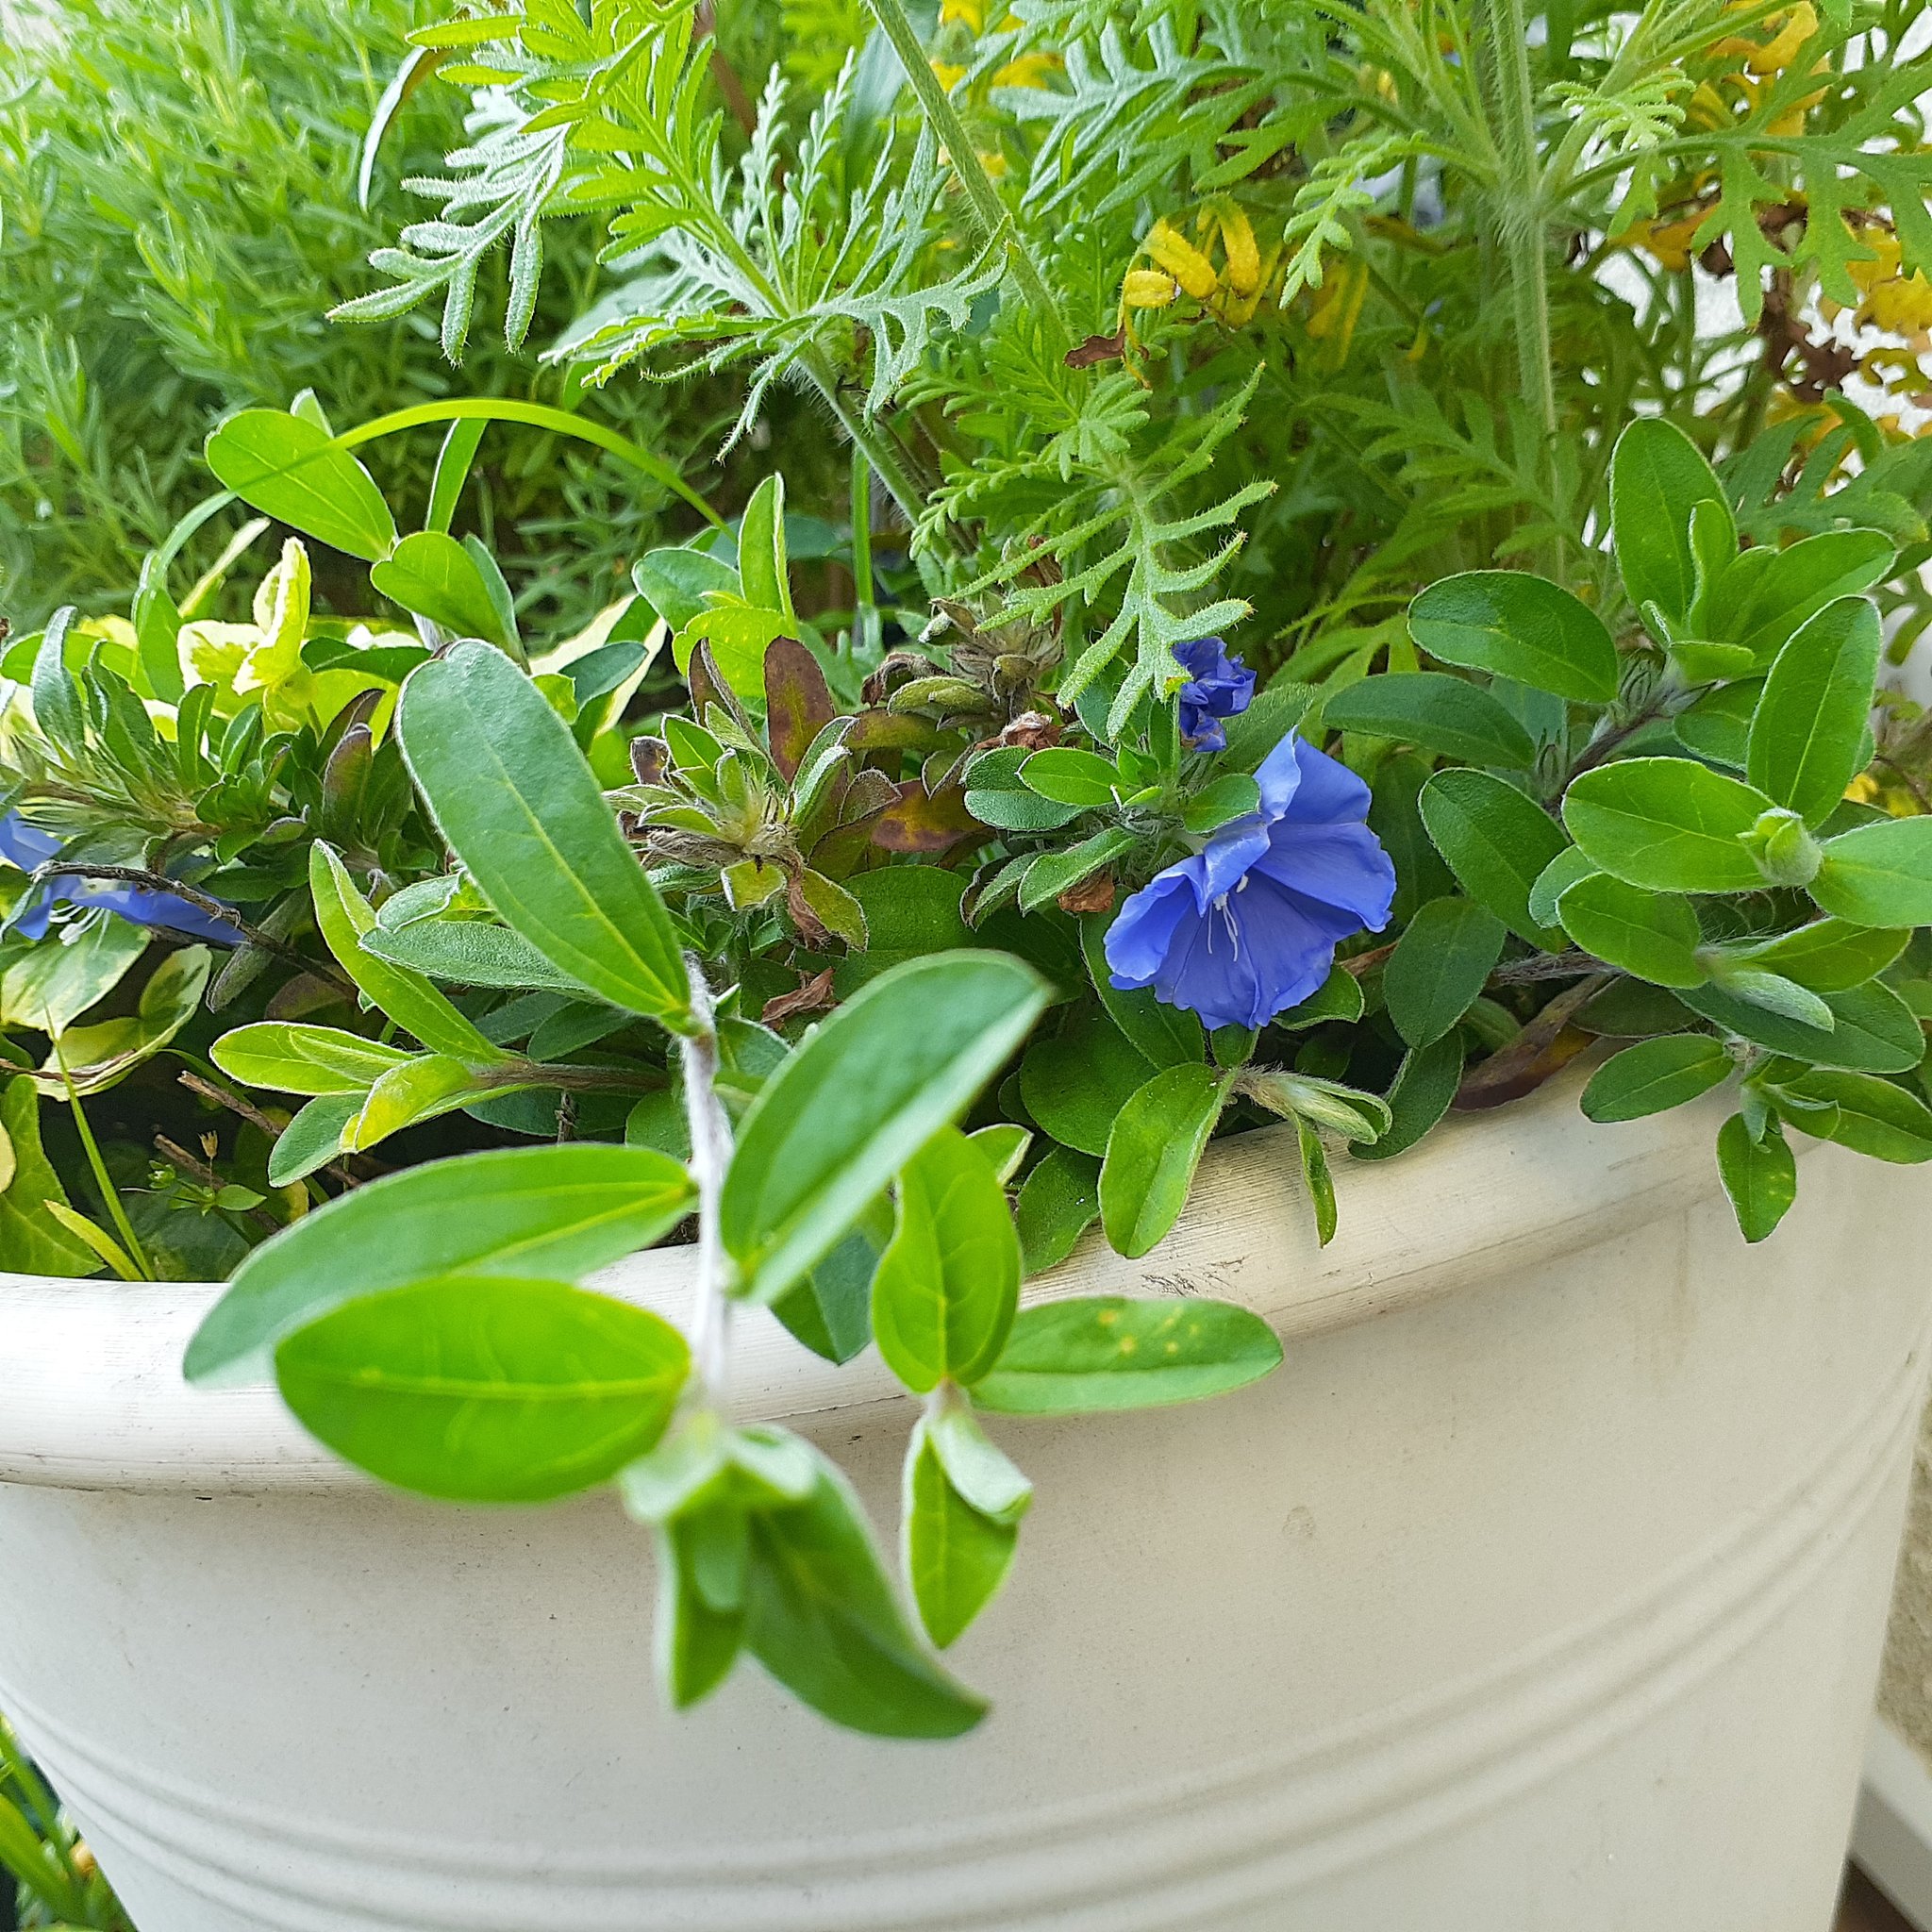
[{"x": 1540, "y": 1592}]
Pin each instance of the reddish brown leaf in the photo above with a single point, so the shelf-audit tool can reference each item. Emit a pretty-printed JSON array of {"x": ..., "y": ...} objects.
[
  {"x": 1098, "y": 349},
  {"x": 924, "y": 821},
  {"x": 813, "y": 995},
  {"x": 1544, "y": 1047},
  {"x": 798, "y": 703},
  {"x": 648, "y": 759},
  {"x": 1094, "y": 894}
]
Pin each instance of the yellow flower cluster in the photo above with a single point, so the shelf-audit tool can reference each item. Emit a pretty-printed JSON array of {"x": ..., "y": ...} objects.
[
  {"x": 1029, "y": 69},
  {"x": 1899, "y": 304},
  {"x": 1231, "y": 291}
]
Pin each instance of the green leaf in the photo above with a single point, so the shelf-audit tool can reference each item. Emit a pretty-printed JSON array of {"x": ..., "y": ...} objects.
[
  {"x": 1807, "y": 737},
  {"x": 470, "y": 952},
  {"x": 821, "y": 1617},
  {"x": 1796, "y": 583},
  {"x": 1152, "y": 1154},
  {"x": 485, "y": 1388},
  {"x": 678, "y": 584},
  {"x": 1440, "y": 967},
  {"x": 431, "y": 574},
  {"x": 93, "y": 1057},
  {"x": 947, "y": 1287},
  {"x": 291, "y": 1056},
  {"x": 1165, "y": 1036},
  {"x": 1435, "y": 712},
  {"x": 1668, "y": 823},
  {"x": 521, "y": 809},
  {"x": 517, "y": 1213},
  {"x": 1515, "y": 626},
  {"x": 867, "y": 1089},
  {"x": 53, "y": 983},
  {"x": 58, "y": 707},
  {"x": 1498, "y": 843},
  {"x": 1760, "y": 1176},
  {"x": 408, "y": 999},
  {"x": 1096, "y": 1354},
  {"x": 956, "y": 1556},
  {"x": 1054, "y": 872},
  {"x": 829, "y": 1310},
  {"x": 698, "y": 1638},
  {"x": 1657, "y": 478},
  {"x": 1879, "y": 875},
  {"x": 1071, "y": 777},
  {"x": 290, "y": 469},
  {"x": 1276, "y": 711},
  {"x": 1058, "y": 1202},
  {"x": 911, "y": 911},
  {"x": 1425, "y": 1083},
  {"x": 32, "y": 1241},
  {"x": 1654, "y": 935},
  {"x": 1320, "y": 1184},
  {"x": 1717, "y": 726},
  {"x": 1232, "y": 795},
  {"x": 1858, "y": 1110},
  {"x": 1828, "y": 955},
  {"x": 1874, "y": 1032},
  {"x": 1338, "y": 997},
  {"x": 421, "y": 1089},
  {"x": 313, "y": 1138},
  {"x": 763, "y": 571},
  {"x": 1570, "y": 865},
  {"x": 1656, "y": 1074},
  {"x": 1075, "y": 1084}
]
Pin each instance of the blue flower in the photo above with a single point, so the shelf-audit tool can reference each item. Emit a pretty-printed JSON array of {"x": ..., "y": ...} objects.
[
  {"x": 27, "y": 846},
  {"x": 1219, "y": 687},
  {"x": 1248, "y": 926}
]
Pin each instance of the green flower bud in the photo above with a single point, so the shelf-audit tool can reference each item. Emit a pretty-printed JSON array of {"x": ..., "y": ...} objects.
[{"x": 1786, "y": 851}]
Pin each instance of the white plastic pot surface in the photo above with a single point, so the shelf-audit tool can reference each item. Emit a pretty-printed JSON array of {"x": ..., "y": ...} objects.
[{"x": 1540, "y": 1592}]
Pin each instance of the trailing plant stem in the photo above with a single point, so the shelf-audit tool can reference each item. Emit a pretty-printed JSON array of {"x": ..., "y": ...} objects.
[
  {"x": 989, "y": 210},
  {"x": 711, "y": 1155},
  {"x": 1521, "y": 202}
]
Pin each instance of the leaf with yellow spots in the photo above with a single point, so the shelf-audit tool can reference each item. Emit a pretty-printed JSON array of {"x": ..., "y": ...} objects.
[{"x": 1112, "y": 1352}]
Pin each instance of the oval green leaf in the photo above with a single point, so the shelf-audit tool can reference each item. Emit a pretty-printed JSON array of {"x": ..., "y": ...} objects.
[
  {"x": 520, "y": 807},
  {"x": 898, "y": 1062},
  {"x": 521, "y": 1212},
  {"x": 1104, "y": 1353},
  {"x": 1436, "y": 712},
  {"x": 292, "y": 469},
  {"x": 1668, "y": 823},
  {"x": 1498, "y": 843},
  {"x": 1808, "y": 735},
  {"x": 1439, "y": 966},
  {"x": 1656, "y": 1074},
  {"x": 1152, "y": 1154},
  {"x": 485, "y": 1388},
  {"x": 1513, "y": 625}
]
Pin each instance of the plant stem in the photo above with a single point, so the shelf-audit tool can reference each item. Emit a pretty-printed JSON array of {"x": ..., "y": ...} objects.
[
  {"x": 994, "y": 220},
  {"x": 711, "y": 1155},
  {"x": 110, "y": 1195},
  {"x": 1519, "y": 198}
]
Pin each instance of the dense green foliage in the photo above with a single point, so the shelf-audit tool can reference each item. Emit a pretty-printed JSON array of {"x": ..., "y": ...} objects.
[
  {"x": 180, "y": 186},
  {"x": 898, "y": 881}
]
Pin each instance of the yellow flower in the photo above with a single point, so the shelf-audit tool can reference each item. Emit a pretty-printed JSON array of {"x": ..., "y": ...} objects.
[
  {"x": 1667, "y": 242},
  {"x": 1239, "y": 245},
  {"x": 1174, "y": 252},
  {"x": 1337, "y": 308},
  {"x": 1899, "y": 304},
  {"x": 1149, "y": 288}
]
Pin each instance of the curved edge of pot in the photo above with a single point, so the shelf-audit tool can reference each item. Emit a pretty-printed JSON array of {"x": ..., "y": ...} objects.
[{"x": 92, "y": 1394}]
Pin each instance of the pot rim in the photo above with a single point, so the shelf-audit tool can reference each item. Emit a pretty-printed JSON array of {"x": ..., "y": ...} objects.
[{"x": 92, "y": 1394}]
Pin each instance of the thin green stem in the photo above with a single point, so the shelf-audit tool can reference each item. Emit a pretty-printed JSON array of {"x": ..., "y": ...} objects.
[
  {"x": 1522, "y": 222},
  {"x": 110, "y": 1195},
  {"x": 994, "y": 219}
]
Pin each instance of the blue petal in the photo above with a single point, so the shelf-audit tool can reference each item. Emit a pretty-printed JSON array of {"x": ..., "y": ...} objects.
[
  {"x": 1329, "y": 792},
  {"x": 1143, "y": 934},
  {"x": 1342, "y": 865},
  {"x": 1280, "y": 775},
  {"x": 26, "y": 845}
]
